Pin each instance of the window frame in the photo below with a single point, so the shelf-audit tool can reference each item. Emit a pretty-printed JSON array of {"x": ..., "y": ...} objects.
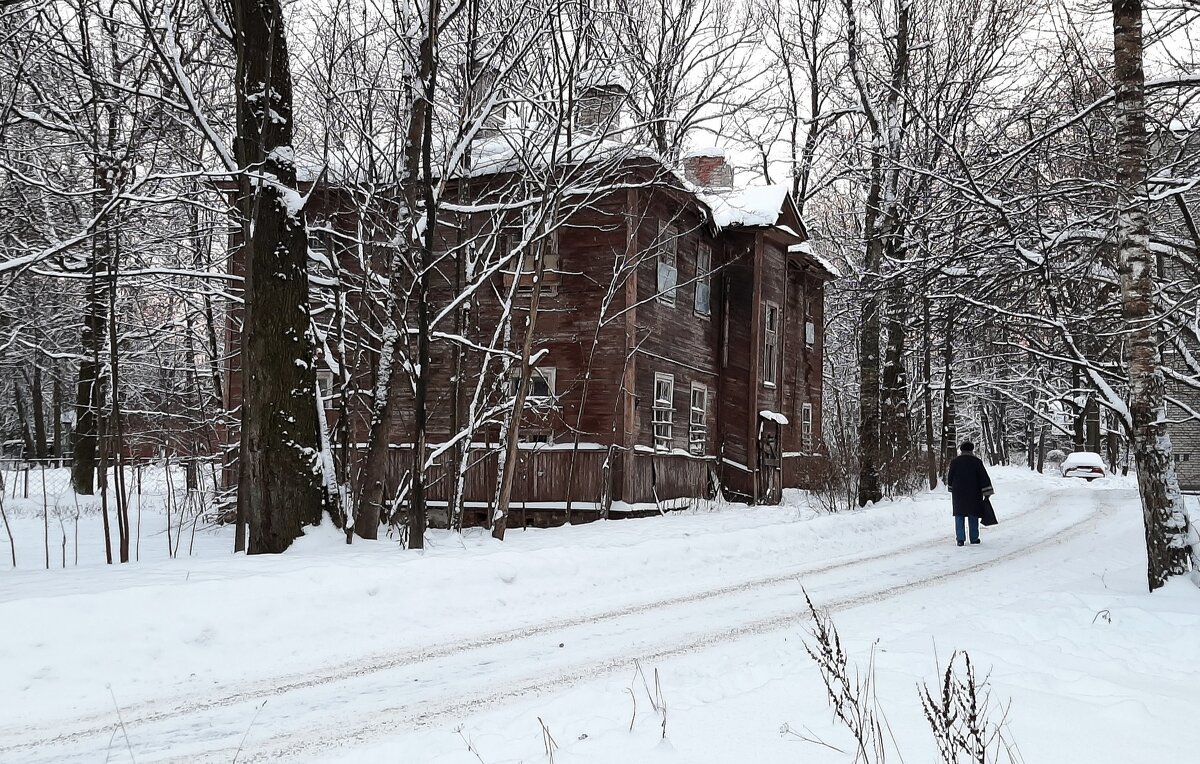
[
  {"x": 668, "y": 244},
  {"x": 526, "y": 266},
  {"x": 327, "y": 385},
  {"x": 698, "y": 428},
  {"x": 663, "y": 417},
  {"x": 806, "y": 426},
  {"x": 770, "y": 344},
  {"x": 703, "y": 280},
  {"x": 549, "y": 374}
]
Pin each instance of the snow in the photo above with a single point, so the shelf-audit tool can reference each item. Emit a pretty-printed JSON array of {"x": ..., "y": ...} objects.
[
  {"x": 705, "y": 151},
  {"x": 806, "y": 248},
  {"x": 773, "y": 416},
  {"x": 1083, "y": 459},
  {"x": 749, "y": 206},
  {"x": 468, "y": 651}
]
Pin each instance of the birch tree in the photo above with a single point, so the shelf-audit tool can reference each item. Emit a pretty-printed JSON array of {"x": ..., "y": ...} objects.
[{"x": 1167, "y": 542}]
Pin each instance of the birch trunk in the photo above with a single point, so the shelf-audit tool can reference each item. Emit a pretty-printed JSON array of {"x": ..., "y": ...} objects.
[{"x": 1167, "y": 549}]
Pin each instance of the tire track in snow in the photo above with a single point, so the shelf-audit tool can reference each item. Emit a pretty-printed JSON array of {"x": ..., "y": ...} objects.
[
  {"x": 150, "y": 712},
  {"x": 406, "y": 716}
]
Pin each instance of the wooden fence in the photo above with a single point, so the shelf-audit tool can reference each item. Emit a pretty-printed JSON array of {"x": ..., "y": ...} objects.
[{"x": 546, "y": 482}]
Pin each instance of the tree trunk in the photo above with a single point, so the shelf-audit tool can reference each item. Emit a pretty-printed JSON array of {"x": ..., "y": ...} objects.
[
  {"x": 28, "y": 447},
  {"x": 949, "y": 412},
  {"x": 880, "y": 225},
  {"x": 58, "y": 429},
  {"x": 116, "y": 426},
  {"x": 895, "y": 430},
  {"x": 419, "y": 204},
  {"x": 279, "y": 485},
  {"x": 1166, "y": 526},
  {"x": 512, "y": 433},
  {"x": 37, "y": 401},
  {"x": 88, "y": 390},
  {"x": 931, "y": 470}
]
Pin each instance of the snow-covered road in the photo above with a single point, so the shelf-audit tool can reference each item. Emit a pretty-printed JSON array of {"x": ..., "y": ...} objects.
[{"x": 470, "y": 640}]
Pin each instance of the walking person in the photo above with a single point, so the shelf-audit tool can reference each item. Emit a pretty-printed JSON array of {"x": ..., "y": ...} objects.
[{"x": 969, "y": 486}]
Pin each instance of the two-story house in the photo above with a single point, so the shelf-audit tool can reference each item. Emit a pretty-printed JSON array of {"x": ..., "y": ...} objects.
[{"x": 678, "y": 347}]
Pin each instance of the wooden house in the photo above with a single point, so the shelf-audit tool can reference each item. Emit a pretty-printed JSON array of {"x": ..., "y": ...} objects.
[{"x": 678, "y": 340}]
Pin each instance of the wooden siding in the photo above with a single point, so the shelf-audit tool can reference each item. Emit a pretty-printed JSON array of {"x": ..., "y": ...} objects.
[{"x": 605, "y": 365}]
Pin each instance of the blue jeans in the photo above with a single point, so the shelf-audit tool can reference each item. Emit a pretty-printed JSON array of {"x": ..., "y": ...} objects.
[{"x": 960, "y": 532}]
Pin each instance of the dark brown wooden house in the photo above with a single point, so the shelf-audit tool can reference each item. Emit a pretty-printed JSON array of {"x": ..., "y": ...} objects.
[{"x": 679, "y": 340}]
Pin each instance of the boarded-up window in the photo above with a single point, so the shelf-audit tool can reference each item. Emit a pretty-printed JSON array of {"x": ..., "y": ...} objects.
[
  {"x": 698, "y": 428},
  {"x": 703, "y": 280},
  {"x": 526, "y": 273},
  {"x": 770, "y": 357},
  {"x": 668, "y": 272},
  {"x": 664, "y": 410},
  {"x": 806, "y": 426}
]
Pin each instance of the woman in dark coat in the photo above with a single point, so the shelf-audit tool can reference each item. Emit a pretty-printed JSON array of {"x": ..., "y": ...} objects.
[{"x": 969, "y": 485}]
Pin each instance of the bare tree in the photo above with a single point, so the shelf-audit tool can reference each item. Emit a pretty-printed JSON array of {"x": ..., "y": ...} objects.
[{"x": 280, "y": 487}]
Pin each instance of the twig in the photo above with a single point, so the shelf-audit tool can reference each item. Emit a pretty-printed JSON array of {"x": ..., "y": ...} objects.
[
  {"x": 246, "y": 734},
  {"x": 470, "y": 745},
  {"x": 121, "y": 722},
  {"x": 12, "y": 545},
  {"x": 548, "y": 741}
]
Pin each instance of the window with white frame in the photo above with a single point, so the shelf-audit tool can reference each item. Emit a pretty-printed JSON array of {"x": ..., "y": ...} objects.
[
  {"x": 698, "y": 427},
  {"x": 806, "y": 427},
  {"x": 664, "y": 410},
  {"x": 703, "y": 302},
  {"x": 770, "y": 357},
  {"x": 668, "y": 271},
  {"x": 325, "y": 381},
  {"x": 541, "y": 384}
]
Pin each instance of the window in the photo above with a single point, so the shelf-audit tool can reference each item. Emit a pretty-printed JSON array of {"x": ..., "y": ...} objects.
[
  {"x": 806, "y": 433},
  {"x": 325, "y": 383},
  {"x": 664, "y": 410},
  {"x": 551, "y": 275},
  {"x": 703, "y": 280},
  {"x": 668, "y": 273},
  {"x": 770, "y": 359},
  {"x": 541, "y": 384},
  {"x": 698, "y": 428},
  {"x": 810, "y": 333}
]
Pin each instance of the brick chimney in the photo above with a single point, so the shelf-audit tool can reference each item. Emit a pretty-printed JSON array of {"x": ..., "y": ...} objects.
[
  {"x": 599, "y": 109},
  {"x": 707, "y": 168},
  {"x": 481, "y": 81}
]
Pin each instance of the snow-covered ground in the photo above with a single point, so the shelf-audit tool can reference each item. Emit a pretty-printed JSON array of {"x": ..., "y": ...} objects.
[{"x": 474, "y": 651}]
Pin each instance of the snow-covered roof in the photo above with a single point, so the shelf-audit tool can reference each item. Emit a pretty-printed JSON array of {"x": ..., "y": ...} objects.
[
  {"x": 806, "y": 248},
  {"x": 750, "y": 206}
]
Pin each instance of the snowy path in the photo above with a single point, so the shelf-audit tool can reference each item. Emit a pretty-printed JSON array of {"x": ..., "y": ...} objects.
[{"x": 424, "y": 684}]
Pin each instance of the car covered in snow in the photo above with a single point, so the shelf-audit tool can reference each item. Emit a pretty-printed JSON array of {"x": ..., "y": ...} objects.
[{"x": 1083, "y": 464}]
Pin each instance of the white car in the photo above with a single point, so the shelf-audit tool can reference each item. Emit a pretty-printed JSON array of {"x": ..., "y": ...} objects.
[{"x": 1083, "y": 464}]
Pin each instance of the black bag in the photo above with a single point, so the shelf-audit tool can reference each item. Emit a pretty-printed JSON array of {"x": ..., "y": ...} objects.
[{"x": 988, "y": 516}]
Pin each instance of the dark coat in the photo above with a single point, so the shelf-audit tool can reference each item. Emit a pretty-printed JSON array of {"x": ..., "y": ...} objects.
[{"x": 969, "y": 483}]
